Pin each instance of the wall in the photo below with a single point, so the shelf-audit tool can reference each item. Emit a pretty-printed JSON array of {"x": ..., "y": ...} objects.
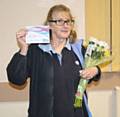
[
  {"x": 102, "y": 103},
  {"x": 102, "y": 18},
  {"x": 104, "y": 97},
  {"x": 116, "y": 35},
  {"x": 13, "y": 109}
]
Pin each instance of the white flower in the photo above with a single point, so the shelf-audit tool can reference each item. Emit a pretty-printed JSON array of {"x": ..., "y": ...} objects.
[{"x": 93, "y": 39}]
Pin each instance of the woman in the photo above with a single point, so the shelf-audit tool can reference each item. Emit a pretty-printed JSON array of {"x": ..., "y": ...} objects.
[{"x": 54, "y": 69}]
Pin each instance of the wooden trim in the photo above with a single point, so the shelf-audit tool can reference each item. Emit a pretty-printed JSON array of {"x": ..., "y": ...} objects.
[
  {"x": 109, "y": 80},
  {"x": 11, "y": 92}
]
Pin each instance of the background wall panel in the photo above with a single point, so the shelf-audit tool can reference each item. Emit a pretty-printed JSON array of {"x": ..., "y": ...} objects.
[
  {"x": 97, "y": 21},
  {"x": 116, "y": 35},
  {"x": 102, "y": 20}
]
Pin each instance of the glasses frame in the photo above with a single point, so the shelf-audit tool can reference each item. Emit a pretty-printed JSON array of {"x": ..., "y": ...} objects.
[{"x": 61, "y": 22}]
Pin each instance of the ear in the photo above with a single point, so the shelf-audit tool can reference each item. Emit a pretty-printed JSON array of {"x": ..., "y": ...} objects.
[{"x": 50, "y": 25}]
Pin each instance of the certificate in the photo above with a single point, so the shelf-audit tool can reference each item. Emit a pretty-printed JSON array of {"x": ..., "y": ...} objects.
[{"x": 37, "y": 34}]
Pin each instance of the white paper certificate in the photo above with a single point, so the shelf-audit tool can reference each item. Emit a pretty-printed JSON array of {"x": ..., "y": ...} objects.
[{"x": 37, "y": 34}]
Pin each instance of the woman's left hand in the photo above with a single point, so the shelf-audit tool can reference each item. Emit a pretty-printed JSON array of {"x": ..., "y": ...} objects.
[{"x": 88, "y": 73}]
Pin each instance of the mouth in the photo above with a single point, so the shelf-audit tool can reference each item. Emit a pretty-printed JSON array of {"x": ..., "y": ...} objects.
[{"x": 64, "y": 31}]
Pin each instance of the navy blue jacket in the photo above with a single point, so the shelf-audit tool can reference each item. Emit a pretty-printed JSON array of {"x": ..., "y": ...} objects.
[{"x": 38, "y": 65}]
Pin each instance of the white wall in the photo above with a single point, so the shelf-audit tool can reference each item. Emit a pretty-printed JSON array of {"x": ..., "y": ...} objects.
[
  {"x": 13, "y": 109},
  {"x": 117, "y": 101},
  {"x": 102, "y": 103},
  {"x": 15, "y": 14}
]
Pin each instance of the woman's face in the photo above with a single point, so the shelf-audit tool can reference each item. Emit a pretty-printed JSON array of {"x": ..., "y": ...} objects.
[{"x": 61, "y": 25}]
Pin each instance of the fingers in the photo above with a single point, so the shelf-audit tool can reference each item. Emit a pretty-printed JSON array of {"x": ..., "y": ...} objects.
[
  {"x": 21, "y": 40},
  {"x": 21, "y": 33},
  {"x": 88, "y": 73},
  {"x": 85, "y": 74}
]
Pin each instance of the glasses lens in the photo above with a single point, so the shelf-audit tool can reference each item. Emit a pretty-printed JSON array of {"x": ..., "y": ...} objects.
[
  {"x": 62, "y": 22},
  {"x": 70, "y": 22}
]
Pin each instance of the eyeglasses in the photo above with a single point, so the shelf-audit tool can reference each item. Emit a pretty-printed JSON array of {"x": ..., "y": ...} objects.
[{"x": 61, "y": 22}]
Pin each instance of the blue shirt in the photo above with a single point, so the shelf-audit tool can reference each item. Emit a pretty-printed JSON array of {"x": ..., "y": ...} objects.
[{"x": 48, "y": 48}]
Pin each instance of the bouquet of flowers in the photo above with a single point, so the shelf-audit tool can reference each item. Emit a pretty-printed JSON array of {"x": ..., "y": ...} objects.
[{"x": 97, "y": 52}]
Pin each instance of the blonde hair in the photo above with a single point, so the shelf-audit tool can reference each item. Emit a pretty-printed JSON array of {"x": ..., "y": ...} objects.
[{"x": 60, "y": 8}]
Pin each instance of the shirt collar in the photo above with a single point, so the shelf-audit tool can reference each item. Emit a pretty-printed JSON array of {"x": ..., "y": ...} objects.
[{"x": 48, "y": 48}]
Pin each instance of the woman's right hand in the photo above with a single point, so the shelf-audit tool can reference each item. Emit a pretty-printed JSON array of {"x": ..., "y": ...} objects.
[{"x": 20, "y": 36}]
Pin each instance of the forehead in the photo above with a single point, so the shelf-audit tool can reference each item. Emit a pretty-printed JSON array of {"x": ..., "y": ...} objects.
[{"x": 61, "y": 15}]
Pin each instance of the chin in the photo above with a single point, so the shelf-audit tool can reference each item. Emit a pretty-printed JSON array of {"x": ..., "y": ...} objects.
[{"x": 65, "y": 36}]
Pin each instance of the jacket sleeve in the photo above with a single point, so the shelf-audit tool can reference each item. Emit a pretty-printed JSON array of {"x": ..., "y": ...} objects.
[
  {"x": 17, "y": 69},
  {"x": 97, "y": 77}
]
